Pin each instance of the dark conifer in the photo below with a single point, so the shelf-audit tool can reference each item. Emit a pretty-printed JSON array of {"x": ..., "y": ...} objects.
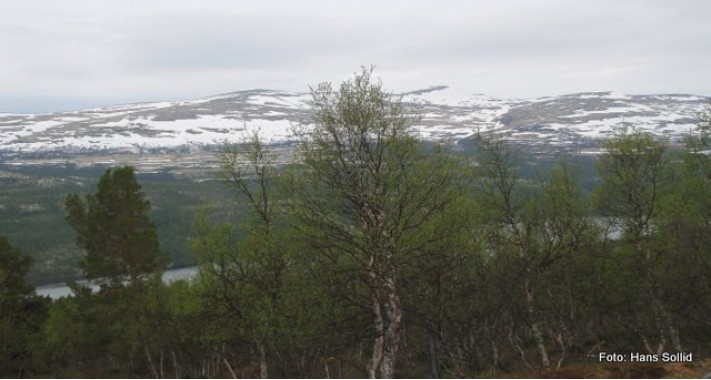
[{"x": 114, "y": 228}]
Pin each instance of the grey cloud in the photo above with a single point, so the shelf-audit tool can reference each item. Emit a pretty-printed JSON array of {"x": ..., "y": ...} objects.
[
  {"x": 207, "y": 41},
  {"x": 515, "y": 48}
]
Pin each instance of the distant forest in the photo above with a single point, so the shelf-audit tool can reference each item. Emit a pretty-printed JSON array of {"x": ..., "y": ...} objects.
[{"x": 375, "y": 255}]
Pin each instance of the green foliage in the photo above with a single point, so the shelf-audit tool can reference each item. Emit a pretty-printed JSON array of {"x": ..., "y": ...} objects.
[
  {"x": 634, "y": 172},
  {"x": 114, "y": 228},
  {"x": 33, "y": 214},
  {"x": 21, "y": 312},
  {"x": 364, "y": 195},
  {"x": 374, "y": 246},
  {"x": 13, "y": 267},
  {"x": 242, "y": 281},
  {"x": 118, "y": 330}
]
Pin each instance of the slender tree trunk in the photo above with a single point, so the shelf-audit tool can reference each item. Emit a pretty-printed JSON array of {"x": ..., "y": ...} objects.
[
  {"x": 175, "y": 365},
  {"x": 387, "y": 341},
  {"x": 662, "y": 315},
  {"x": 377, "y": 356},
  {"x": 561, "y": 343},
  {"x": 515, "y": 343},
  {"x": 150, "y": 361},
  {"x": 673, "y": 332},
  {"x": 665, "y": 319},
  {"x": 162, "y": 374},
  {"x": 394, "y": 323},
  {"x": 229, "y": 368},
  {"x": 432, "y": 350},
  {"x": 535, "y": 328},
  {"x": 263, "y": 361},
  {"x": 494, "y": 356},
  {"x": 376, "y": 359}
]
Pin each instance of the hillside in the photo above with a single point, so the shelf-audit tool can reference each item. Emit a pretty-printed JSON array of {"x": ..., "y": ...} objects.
[{"x": 574, "y": 122}]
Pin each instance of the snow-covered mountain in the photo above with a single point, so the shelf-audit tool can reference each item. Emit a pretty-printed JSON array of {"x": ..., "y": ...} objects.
[{"x": 562, "y": 122}]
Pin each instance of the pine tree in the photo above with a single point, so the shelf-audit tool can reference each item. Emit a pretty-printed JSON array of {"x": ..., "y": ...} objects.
[{"x": 114, "y": 228}]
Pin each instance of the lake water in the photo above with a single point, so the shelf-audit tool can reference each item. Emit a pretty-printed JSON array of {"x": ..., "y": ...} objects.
[{"x": 60, "y": 290}]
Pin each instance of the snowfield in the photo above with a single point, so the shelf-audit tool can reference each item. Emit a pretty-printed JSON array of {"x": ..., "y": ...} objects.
[{"x": 447, "y": 114}]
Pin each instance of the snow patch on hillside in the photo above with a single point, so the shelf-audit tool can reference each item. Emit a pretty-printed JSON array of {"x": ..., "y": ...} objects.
[{"x": 448, "y": 114}]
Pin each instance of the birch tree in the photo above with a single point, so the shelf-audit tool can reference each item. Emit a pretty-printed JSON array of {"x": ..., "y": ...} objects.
[
  {"x": 245, "y": 277},
  {"x": 635, "y": 173},
  {"x": 539, "y": 226},
  {"x": 364, "y": 189}
]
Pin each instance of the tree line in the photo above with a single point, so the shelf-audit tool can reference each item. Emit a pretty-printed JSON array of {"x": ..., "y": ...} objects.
[{"x": 376, "y": 255}]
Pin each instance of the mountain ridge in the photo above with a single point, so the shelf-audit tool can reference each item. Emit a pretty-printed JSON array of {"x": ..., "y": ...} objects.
[{"x": 563, "y": 122}]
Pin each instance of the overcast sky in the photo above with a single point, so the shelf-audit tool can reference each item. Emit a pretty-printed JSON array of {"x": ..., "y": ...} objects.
[{"x": 63, "y": 55}]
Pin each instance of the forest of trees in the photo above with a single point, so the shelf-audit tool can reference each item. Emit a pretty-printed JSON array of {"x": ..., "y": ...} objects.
[{"x": 374, "y": 254}]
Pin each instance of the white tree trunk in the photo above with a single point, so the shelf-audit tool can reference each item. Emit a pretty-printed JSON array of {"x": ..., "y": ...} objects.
[
  {"x": 263, "y": 362},
  {"x": 394, "y": 323},
  {"x": 535, "y": 329},
  {"x": 377, "y": 356}
]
